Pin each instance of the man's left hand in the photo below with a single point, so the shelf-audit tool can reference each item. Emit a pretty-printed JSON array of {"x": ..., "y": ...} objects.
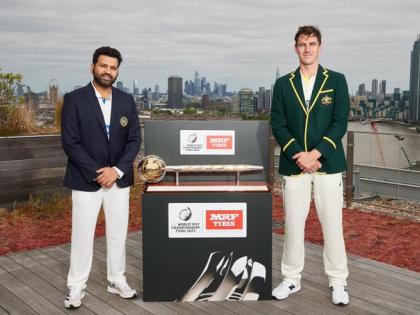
[
  {"x": 305, "y": 160},
  {"x": 107, "y": 176}
]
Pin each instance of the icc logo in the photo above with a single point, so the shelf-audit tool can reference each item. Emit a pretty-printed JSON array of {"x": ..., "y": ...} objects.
[
  {"x": 192, "y": 138},
  {"x": 185, "y": 214}
]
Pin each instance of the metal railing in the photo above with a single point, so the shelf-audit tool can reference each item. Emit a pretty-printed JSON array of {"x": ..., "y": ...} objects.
[{"x": 378, "y": 165}]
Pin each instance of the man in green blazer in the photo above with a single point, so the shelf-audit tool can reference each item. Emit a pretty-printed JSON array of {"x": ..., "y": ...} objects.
[{"x": 309, "y": 118}]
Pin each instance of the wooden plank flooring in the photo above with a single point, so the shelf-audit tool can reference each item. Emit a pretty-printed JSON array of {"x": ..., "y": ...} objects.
[{"x": 34, "y": 282}]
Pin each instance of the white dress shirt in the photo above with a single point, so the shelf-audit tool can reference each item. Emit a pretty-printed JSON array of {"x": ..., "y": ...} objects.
[
  {"x": 106, "y": 105},
  {"x": 308, "y": 86}
]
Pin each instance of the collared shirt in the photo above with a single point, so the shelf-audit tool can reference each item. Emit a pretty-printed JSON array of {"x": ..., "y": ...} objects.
[
  {"x": 106, "y": 105},
  {"x": 307, "y": 85}
]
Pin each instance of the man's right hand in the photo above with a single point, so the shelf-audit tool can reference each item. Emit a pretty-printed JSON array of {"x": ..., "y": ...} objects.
[
  {"x": 312, "y": 168},
  {"x": 107, "y": 176},
  {"x": 308, "y": 161}
]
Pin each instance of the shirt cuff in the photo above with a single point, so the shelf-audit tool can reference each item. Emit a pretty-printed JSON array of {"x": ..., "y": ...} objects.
[{"x": 120, "y": 173}]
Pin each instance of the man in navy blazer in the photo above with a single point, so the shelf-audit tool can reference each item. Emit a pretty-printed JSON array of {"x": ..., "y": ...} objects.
[{"x": 101, "y": 137}]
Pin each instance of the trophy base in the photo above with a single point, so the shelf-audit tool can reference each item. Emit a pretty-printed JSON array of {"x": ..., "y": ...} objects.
[{"x": 203, "y": 187}]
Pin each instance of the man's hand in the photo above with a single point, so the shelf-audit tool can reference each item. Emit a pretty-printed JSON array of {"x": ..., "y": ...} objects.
[
  {"x": 308, "y": 161},
  {"x": 107, "y": 176},
  {"x": 312, "y": 168}
]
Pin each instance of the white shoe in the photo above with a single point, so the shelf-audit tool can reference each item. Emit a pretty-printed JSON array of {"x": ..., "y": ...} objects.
[
  {"x": 74, "y": 299},
  {"x": 122, "y": 289},
  {"x": 339, "y": 295},
  {"x": 286, "y": 288}
]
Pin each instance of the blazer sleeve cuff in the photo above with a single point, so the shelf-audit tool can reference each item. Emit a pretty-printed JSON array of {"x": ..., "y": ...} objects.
[
  {"x": 326, "y": 146},
  {"x": 291, "y": 148},
  {"x": 120, "y": 173}
]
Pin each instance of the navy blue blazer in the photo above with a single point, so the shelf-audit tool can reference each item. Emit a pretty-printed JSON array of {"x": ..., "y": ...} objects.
[{"x": 85, "y": 141}]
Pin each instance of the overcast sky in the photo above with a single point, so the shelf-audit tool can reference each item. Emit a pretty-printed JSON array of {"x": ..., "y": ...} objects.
[{"x": 238, "y": 42}]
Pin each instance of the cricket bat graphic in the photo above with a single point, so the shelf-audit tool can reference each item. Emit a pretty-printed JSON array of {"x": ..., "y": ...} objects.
[
  {"x": 237, "y": 292},
  {"x": 231, "y": 280},
  {"x": 255, "y": 285},
  {"x": 217, "y": 280},
  {"x": 214, "y": 264}
]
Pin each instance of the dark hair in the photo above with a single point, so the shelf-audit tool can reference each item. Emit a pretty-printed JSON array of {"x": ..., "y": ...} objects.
[
  {"x": 107, "y": 51},
  {"x": 308, "y": 30}
]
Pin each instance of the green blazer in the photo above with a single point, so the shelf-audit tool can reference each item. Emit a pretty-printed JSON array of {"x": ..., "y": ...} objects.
[{"x": 320, "y": 126}]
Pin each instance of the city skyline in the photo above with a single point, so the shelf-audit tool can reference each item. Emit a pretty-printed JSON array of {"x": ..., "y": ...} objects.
[{"x": 240, "y": 43}]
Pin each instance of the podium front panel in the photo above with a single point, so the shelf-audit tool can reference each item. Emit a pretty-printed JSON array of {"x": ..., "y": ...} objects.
[{"x": 207, "y": 246}]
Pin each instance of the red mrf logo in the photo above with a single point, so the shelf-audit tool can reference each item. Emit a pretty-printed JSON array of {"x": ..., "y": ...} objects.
[
  {"x": 219, "y": 142},
  {"x": 224, "y": 219}
]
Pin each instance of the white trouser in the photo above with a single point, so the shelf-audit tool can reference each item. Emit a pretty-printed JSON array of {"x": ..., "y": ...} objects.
[
  {"x": 328, "y": 194},
  {"x": 86, "y": 206}
]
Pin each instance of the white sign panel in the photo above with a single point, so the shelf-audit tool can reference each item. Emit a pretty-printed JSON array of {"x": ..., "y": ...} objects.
[
  {"x": 207, "y": 142},
  {"x": 199, "y": 220}
]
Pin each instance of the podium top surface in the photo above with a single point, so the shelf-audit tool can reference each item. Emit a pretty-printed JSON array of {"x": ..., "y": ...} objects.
[{"x": 207, "y": 187}]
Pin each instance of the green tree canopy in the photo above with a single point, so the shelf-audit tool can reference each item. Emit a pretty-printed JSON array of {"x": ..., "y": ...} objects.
[
  {"x": 7, "y": 83},
  {"x": 190, "y": 111}
]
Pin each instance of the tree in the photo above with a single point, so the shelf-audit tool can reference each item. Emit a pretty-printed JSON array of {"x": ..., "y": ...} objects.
[
  {"x": 7, "y": 83},
  {"x": 190, "y": 111},
  {"x": 15, "y": 118}
]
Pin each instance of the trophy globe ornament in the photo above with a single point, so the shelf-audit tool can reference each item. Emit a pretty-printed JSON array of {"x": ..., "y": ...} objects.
[{"x": 152, "y": 169}]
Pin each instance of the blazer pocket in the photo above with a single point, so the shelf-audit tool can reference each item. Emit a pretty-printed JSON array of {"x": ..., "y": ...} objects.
[{"x": 327, "y": 91}]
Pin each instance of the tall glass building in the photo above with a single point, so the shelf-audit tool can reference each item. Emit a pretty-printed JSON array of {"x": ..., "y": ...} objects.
[
  {"x": 414, "y": 110},
  {"x": 174, "y": 92},
  {"x": 246, "y": 98}
]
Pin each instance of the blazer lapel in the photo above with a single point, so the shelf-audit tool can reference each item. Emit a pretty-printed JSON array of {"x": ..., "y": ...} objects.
[
  {"x": 321, "y": 78},
  {"x": 93, "y": 101},
  {"x": 296, "y": 82},
  {"x": 114, "y": 112}
]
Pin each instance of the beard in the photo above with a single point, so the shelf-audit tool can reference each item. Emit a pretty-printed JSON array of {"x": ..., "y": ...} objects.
[{"x": 104, "y": 80}]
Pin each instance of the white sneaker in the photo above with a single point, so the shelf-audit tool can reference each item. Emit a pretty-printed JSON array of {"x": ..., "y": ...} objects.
[
  {"x": 339, "y": 295},
  {"x": 122, "y": 289},
  {"x": 286, "y": 288},
  {"x": 74, "y": 299}
]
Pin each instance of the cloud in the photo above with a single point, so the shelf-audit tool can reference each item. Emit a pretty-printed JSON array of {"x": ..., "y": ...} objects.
[{"x": 240, "y": 42}]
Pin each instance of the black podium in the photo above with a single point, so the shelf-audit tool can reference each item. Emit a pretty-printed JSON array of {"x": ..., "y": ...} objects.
[{"x": 207, "y": 239}]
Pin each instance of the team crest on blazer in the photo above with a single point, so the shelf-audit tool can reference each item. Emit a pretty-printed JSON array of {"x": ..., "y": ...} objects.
[
  {"x": 326, "y": 100},
  {"x": 123, "y": 121}
]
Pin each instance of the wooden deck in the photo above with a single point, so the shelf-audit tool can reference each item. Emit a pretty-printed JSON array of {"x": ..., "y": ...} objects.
[{"x": 34, "y": 282}]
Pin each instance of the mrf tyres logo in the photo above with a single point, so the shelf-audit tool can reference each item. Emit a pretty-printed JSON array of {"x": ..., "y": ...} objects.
[
  {"x": 224, "y": 219},
  {"x": 219, "y": 142}
]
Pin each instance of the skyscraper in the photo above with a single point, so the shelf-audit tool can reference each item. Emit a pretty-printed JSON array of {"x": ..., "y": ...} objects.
[
  {"x": 382, "y": 88},
  {"x": 246, "y": 101},
  {"x": 120, "y": 85},
  {"x": 222, "y": 90},
  {"x": 203, "y": 83},
  {"x": 136, "y": 90},
  {"x": 216, "y": 89},
  {"x": 208, "y": 88},
  {"x": 261, "y": 99},
  {"x": 362, "y": 89},
  {"x": 374, "y": 88},
  {"x": 197, "y": 83},
  {"x": 205, "y": 101},
  {"x": 267, "y": 100},
  {"x": 175, "y": 91},
  {"x": 414, "y": 109},
  {"x": 235, "y": 103}
]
